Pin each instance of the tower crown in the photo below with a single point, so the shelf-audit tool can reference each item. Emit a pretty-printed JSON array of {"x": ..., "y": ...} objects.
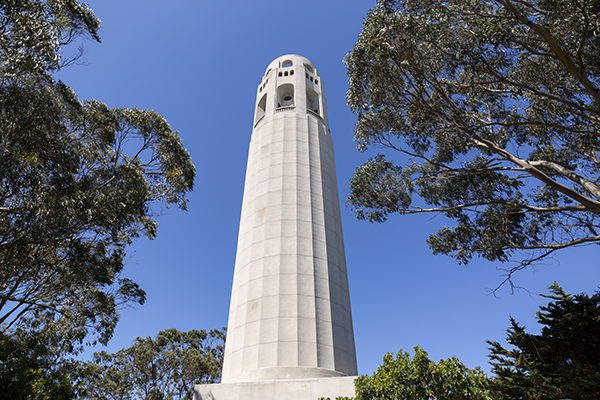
[{"x": 290, "y": 83}]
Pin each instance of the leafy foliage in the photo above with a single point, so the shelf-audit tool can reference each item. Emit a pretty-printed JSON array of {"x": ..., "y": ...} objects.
[
  {"x": 78, "y": 182},
  {"x": 167, "y": 367},
  {"x": 32, "y": 33},
  {"x": 421, "y": 379},
  {"x": 496, "y": 105},
  {"x": 561, "y": 362},
  {"x": 27, "y": 371}
]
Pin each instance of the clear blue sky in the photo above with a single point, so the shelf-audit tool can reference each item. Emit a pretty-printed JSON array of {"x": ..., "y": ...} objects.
[{"x": 198, "y": 63}]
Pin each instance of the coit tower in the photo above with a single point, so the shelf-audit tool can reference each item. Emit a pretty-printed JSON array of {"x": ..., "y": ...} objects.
[{"x": 290, "y": 314}]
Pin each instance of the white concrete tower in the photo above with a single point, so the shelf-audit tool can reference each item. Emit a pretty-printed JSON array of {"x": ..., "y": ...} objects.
[{"x": 290, "y": 312}]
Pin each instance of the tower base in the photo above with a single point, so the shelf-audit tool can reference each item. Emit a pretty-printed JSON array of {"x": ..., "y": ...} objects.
[{"x": 292, "y": 389}]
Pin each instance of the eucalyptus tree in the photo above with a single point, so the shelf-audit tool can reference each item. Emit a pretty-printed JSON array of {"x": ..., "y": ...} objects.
[
  {"x": 495, "y": 106},
  {"x": 33, "y": 34},
  {"x": 78, "y": 182},
  {"x": 166, "y": 367}
]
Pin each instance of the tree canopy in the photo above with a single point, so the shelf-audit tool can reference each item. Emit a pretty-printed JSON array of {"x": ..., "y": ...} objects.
[
  {"x": 420, "y": 378},
  {"x": 563, "y": 361},
  {"x": 27, "y": 372},
  {"x": 78, "y": 182},
  {"x": 33, "y": 33},
  {"x": 495, "y": 104},
  {"x": 167, "y": 367}
]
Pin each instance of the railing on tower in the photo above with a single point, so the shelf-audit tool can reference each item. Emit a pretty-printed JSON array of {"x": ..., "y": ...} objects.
[{"x": 288, "y": 108}]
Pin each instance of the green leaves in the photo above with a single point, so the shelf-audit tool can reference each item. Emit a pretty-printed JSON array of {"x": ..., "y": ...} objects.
[
  {"x": 74, "y": 192},
  {"x": 78, "y": 183},
  {"x": 420, "y": 378},
  {"x": 493, "y": 106},
  {"x": 379, "y": 188},
  {"x": 27, "y": 371},
  {"x": 561, "y": 362},
  {"x": 167, "y": 367},
  {"x": 33, "y": 32}
]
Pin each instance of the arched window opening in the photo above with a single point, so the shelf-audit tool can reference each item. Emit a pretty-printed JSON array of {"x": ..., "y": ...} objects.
[
  {"x": 287, "y": 63},
  {"x": 261, "y": 107},
  {"x": 312, "y": 100},
  {"x": 285, "y": 95},
  {"x": 309, "y": 68}
]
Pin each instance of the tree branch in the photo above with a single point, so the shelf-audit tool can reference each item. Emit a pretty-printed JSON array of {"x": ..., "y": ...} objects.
[
  {"x": 562, "y": 55},
  {"x": 586, "y": 183}
]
